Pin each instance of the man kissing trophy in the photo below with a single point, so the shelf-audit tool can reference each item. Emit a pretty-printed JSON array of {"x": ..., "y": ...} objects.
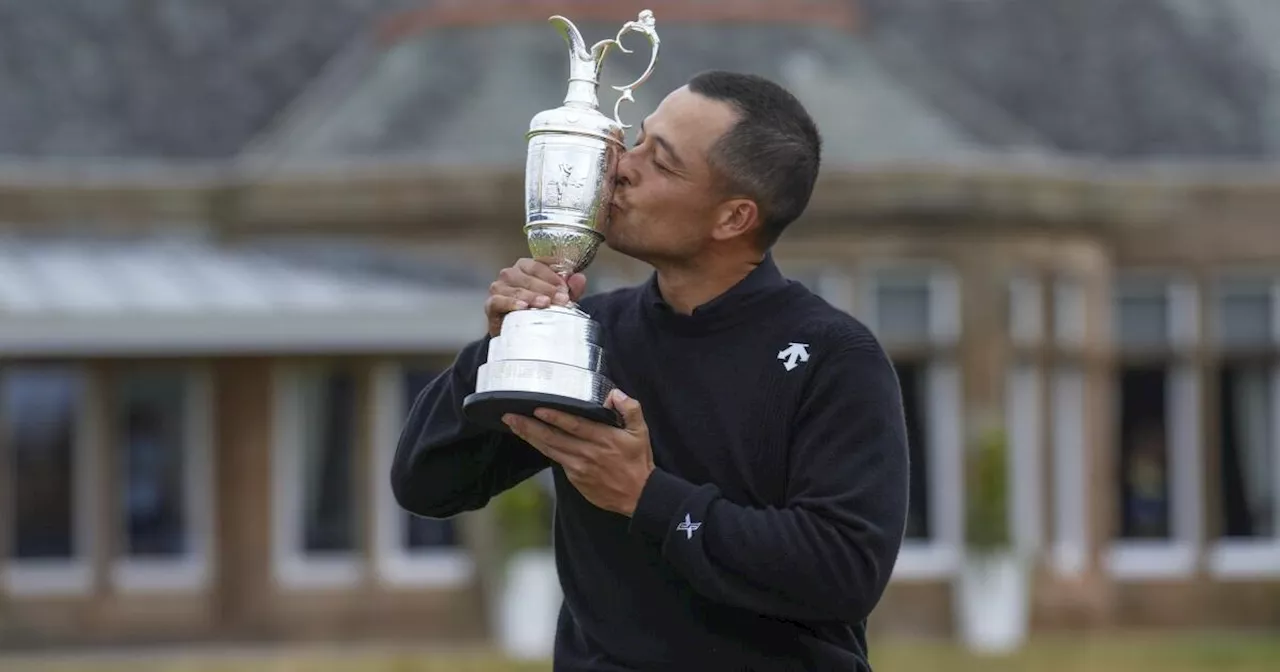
[{"x": 551, "y": 357}]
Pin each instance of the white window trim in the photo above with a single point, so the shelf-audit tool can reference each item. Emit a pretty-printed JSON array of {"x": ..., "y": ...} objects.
[
  {"x": 292, "y": 568},
  {"x": 1070, "y": 556},
  {"x": 394, "y": 564},
  {"x": 944, "y": 298},
  {"x": 1177, "y": 557},
  {"x": 1069, "y": 313},
  {"x": 1026, "y": 311},
  {"x": 1023, "y": 424},
  {"x": 941, "y": 556},
  {"x": 1257, "y": 558},
  {"x": 72, "y": 577},
  {"x": 193, "y": 571}
]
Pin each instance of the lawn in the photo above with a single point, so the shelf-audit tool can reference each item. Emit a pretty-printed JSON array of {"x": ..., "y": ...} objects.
[{"x": 1178, "y": 653}]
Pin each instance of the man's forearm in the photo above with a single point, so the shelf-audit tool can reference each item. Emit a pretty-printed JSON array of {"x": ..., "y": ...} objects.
[{"x": 445, "y": 465}]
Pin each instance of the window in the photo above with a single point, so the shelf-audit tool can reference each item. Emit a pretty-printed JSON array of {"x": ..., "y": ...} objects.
[
  {"x": 43, "y": 412},
  {"x": 1143, "y": 464},
  {"x": 1156, "y": 464},
  {"x": 914, "y": 312},
  {"x": 163, "y": 474},
  {"x": 412, "y": 550},
  {"x": 1248, "y": 460},
  {"x": 318, "y": 531}
]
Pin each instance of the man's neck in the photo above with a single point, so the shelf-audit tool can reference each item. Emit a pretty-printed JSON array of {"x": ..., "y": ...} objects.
[{"x": 686, "y": 286}]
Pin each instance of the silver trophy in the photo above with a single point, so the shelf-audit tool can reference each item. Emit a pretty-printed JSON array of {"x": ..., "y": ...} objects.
[{"x": 552, "y": 357}]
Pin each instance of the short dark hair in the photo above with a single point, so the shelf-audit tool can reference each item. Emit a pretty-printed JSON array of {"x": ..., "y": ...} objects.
[{"x": 772, "y": 153}]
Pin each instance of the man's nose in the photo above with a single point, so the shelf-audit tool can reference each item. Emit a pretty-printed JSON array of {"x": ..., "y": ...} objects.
[{"x": 626, "y": 172}]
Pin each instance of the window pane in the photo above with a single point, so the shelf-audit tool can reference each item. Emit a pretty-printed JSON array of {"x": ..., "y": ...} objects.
[
  {"x": 902, "y": 307},
  {"x": 418, "y": 532},
  {"x": 1143, "y": 315},
  {"x": 328, "y": 451},
  {"x": 1244, "y": 314},
  {"x": 1247, "y": 487},
  {"x": 1143, "y": 463},
  {"x": 41, "y": 408},
  {"x": 152, "y": 464},
  {"x": 912, "y": 378}
]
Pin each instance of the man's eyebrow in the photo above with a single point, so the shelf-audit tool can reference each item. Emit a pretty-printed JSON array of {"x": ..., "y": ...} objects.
[{"x": 666, "y": 146}]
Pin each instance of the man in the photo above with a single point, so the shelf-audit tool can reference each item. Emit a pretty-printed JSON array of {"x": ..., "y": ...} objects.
[{"x": 749, "y": 513}]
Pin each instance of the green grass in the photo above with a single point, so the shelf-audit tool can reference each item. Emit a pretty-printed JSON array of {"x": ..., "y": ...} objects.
[{"x": 1158, "y": 653}]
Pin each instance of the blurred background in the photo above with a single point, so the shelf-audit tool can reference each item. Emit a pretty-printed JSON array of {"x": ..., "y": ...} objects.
[{"x": 236, "y": 238}]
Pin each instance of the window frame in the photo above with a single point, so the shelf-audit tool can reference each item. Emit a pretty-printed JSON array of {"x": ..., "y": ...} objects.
[
  {"x": 1178, "y": 556},
  {"x": 1245, "y": 559},
  {"x": 394, "y": 564},
  {"x": 939, "y": 557},
  {"x": 75, "y": 576},
  {"x": 192, "y": 571},
  {"x": 292, "y": 567}
]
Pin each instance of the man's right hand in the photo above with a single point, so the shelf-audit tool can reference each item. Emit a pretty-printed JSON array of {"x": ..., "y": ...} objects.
[{"x": 529, "y": 283}]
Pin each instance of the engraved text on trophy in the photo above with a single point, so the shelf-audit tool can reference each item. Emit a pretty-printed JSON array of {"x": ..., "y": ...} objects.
[{"x": 571, "y": 181}]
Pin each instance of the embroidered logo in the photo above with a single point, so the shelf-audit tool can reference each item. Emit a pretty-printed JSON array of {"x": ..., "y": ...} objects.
[
  {"x": 794, "y": 355},
  {"x": 688, "y": 526}
]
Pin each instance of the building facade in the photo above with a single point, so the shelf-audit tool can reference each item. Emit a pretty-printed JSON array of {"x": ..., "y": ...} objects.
[{"x": 198, "y": 442}]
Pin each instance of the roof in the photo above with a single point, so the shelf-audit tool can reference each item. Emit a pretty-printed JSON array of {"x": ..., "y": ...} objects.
[
  {"x": 164, "y": 297},
  {"x": 354, "y": 80},
  {"x": 163, "y": 79},
  {"x": 405, "y": 103},
  {"x": 1140, "y": 79}
]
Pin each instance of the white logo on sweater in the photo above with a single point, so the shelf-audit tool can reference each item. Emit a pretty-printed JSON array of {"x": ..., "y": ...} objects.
[
  {"x": 793, "y": 355},
  {"x": 688, "y": 526}
]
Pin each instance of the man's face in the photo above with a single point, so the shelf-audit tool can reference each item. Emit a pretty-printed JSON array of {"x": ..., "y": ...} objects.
[{"x": 667, "y": 204}]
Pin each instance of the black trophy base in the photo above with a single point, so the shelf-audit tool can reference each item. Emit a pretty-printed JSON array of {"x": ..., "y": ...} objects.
[{"x": 488, "y": 408}]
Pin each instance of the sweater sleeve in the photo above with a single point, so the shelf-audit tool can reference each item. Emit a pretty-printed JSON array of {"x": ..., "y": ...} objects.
[
  {"x": 444, "y": 464},
  {"x": 827, "y": 554}
]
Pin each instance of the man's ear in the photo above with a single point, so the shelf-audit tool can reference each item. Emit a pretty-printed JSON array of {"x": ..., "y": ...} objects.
[{"x": 735, "y": 218}]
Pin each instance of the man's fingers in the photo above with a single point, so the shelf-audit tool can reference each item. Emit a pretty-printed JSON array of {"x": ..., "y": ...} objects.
[
  {"x": 524, "y": 276},
  {"x": 519, "y": 294},
  {"x": 549, "y": 441},
  {"x": 570, "y": 424},
  {"x": 497, "y": 305}
]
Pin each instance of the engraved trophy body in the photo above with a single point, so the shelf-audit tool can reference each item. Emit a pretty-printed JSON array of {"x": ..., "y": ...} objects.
[{"x": 552, "y": 357}]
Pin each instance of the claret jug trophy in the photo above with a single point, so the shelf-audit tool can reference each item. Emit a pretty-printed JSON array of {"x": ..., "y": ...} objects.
[{"x": 552, "y": 357}]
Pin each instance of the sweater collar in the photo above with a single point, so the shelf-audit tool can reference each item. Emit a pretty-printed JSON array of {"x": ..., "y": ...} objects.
[{"x": 730, "y": 307}]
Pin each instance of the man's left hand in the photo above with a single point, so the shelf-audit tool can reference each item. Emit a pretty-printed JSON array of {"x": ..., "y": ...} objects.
[{"x": 608, "y": 465}]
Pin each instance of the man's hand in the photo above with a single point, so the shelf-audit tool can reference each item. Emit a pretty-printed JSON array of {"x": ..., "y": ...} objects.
[
  {"x": 529, "y": 282},
  {"x": 608, "y": 465}
]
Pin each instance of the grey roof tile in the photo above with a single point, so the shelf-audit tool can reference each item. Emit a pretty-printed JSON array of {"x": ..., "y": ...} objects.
[
  {"x": 172, "y": 79},
  {"x": 465, "y": 96}
]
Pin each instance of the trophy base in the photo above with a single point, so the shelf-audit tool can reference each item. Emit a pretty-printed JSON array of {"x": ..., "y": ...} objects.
[{"x": 488, "y": 408}]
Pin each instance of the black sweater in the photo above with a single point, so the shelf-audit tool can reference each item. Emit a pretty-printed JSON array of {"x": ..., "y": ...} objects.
[{"x": 794, "y": 476}]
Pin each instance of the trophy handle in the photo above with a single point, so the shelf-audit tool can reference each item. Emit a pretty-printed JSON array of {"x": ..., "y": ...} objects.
[{"x": 644, "y": 24}]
